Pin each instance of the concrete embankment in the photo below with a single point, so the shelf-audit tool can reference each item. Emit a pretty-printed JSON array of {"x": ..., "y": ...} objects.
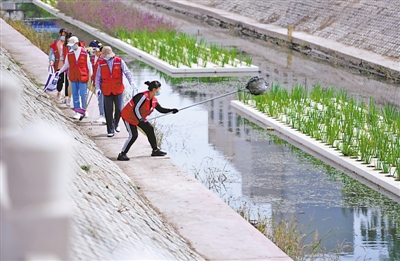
[
  {"x": 361, "y": 35},
  {"x": 171, "y": 217}
]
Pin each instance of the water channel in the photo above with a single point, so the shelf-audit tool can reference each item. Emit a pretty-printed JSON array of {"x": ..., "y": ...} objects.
[{"x": 256, "y": 171}]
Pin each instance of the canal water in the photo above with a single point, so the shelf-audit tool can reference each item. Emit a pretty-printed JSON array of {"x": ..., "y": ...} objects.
[{"x": 258, "y": 173}]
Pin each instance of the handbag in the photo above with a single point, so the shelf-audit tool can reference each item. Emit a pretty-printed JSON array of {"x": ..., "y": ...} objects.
[{"x": 52, "y": 79}]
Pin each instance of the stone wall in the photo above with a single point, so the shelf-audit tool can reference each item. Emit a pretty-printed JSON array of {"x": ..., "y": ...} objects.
[{"x": 370, "y": 25}]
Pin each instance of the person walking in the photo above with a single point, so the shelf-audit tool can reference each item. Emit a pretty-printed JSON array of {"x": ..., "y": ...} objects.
[
  {"x": 68, "y": 91},
  {"x": 96, "y": 47},
  {"x": 80, "y": 71},
  {"x": 109, "y": 82},
  {"x": 57, "y": 54},
  {"x": 134, "y": 115}
]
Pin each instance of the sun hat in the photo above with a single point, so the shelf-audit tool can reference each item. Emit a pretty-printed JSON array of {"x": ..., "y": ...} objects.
[
  {"x": 73, "y": 40},
  {"x": 107, "y": 52}
]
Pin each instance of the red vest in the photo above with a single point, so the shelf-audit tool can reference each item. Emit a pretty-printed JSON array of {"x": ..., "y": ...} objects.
[
  {"x": 57, "y": 54},
  {"x": 78, "y": 70},
  {"x": 111, "y": 83},
  {"x": 128, "y": 114},
  {"x": 94, "y": 66}
]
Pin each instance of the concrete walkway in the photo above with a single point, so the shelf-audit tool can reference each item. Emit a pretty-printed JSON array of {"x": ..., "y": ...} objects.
[{"x": 114, "y": 219}]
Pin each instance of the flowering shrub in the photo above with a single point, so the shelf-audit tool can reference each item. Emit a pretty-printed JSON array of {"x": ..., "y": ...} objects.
[{"x": 113, "y": 16}]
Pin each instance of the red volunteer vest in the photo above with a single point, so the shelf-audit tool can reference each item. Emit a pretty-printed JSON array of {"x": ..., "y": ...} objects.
[
  {"x": 57, "y": 54},
  {"x": 94, "y": 66},
  {"x": 111, "y": 83},
  {"x": 128, "y": 114},
  {"x": 78, "y": 70}
]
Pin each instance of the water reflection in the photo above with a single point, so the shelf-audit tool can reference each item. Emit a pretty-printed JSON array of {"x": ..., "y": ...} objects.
[
  {"x": 272, "y": 175},
  {"x": 46, "y": 25}
]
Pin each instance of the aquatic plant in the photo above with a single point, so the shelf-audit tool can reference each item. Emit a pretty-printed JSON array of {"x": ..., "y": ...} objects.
[
  {"x": 291, "y": 237},
  {"x": 180, "y": 49},
  {"x": 358, "y": 129},
  {"x": 152, "y": 34}
]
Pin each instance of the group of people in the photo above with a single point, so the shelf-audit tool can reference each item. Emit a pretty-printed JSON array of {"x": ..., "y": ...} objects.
[{"x": 99, "y": 67}]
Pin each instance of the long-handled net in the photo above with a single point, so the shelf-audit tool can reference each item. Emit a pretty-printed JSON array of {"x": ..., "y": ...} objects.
[{"x": 256, "y": 86}]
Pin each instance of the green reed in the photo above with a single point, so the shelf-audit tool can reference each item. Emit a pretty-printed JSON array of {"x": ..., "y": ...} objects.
[
  {"x": 358, "y": 129},
  {"x": 177, "y": 48}
]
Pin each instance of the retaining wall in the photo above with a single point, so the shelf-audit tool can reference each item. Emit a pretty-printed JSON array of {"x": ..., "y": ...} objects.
[
  {"x": 370, "y": 25},
  {"x": 355, "y": 34}
]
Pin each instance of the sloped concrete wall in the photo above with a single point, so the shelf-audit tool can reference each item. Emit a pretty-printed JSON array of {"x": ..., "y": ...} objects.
[{"x": 370, "y": 25}]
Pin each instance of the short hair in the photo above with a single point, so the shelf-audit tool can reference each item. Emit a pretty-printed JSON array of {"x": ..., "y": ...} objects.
[{"x": 153, "y": 85}]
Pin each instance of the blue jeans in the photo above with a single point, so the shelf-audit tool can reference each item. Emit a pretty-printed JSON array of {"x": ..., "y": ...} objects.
[
  {"x": 101, "y": 104},
  {"x": 79, "y": 90}
]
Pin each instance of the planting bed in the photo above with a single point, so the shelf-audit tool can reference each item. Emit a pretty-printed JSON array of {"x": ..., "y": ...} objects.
[
  {"x": 201, "y": 68},
  {"x": 369, "y": 172}
]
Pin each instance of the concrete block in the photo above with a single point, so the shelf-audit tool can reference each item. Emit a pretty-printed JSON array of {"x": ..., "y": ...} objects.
[
  {"x": 40, "y": 232},
  {"x": 38, "y": 166},
  {"x": 10, "y": 114}
]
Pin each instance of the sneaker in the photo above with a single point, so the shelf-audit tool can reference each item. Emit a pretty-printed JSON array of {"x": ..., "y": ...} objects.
[
  {"x": 122, "y": 156},
  {"x": 110, "y": 135},
  {"x": 86, "y": 114},
  {"x": 158, "y": 152},
  {"x": 68, "y": 102},
  {"x": 117, "y": 129},
  {"x": 101, "y": 120},
  {"x": 77, "y": 116}
]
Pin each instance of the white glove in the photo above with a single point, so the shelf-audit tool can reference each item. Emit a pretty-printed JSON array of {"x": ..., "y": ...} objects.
[{"x": 98, "y": 92}]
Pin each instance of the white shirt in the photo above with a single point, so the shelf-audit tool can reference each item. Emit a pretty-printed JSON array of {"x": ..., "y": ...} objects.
[{"x": 77, "y": 52}]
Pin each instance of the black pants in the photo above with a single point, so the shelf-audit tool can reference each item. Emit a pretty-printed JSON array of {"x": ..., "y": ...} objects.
[
  {"x": 133, "y": 134},
  {"x": 61, "y": 81},
  {"x": 66, "y": 85},
  {"x": 111, "y": 103}
]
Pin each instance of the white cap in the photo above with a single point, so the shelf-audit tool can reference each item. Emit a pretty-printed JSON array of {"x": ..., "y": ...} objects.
[{"x": 73, "y": 40}]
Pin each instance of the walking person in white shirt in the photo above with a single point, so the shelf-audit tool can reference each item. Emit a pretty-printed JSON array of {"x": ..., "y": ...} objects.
[{"x": 80, "y": 71}]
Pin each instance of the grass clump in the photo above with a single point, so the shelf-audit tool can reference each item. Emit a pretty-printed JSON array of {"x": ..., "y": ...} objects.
[
  {"x": 85, "y": 168},
  {"x": 298, "y": 241},
  {"x": 41, "y": 39}
]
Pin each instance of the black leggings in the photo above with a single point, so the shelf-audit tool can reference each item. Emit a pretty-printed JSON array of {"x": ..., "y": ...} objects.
[
  {"x": 66, "y": 85},
  {"x": 133, "y": 134},
  {"x": 61, "y": 81}
]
